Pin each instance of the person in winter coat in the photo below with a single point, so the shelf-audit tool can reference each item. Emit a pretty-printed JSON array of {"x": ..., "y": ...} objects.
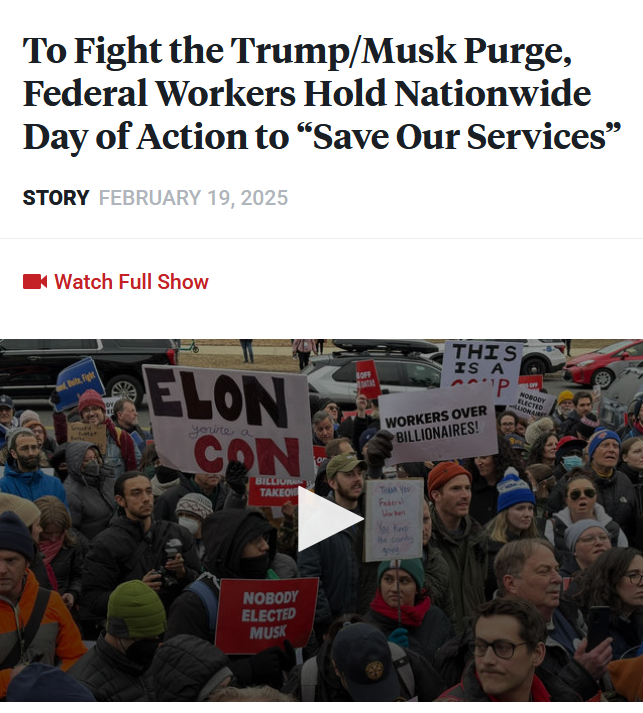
[
  {"x": 134, "y": 546},
  {"x": 585, "y": 541},
  {"x": 90, "y": 489},
  {"x": 188, "y": 669},
  {"x": 62, "y": 554},
  {"x": 437, "y": 579},
  {"x": 117, "y": 668},
  {"x": 580, "y": 499},
  {"x": 40, "y": 683},
  {"x": 191, "y": 511},
  {"x": 631, "y": 464},
  {"x": 411, "y": 619},
  {"x": 615, "y": 580},
  {"x": 22, "y": 475},
  {"x": 302, "y": 349},
  {"x": 239, "y": 544},
  {"x": 210, "y": 485}
]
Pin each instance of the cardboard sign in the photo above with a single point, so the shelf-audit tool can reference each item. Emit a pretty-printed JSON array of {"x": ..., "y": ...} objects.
[
  {"x": 441, "y": 424},
  {"x": 393, "y": 528},
  {"x": 533, "y": 382},
  {"x": 367, "y": 382},
  {"x": 475, "y": 362},
  {"x": 90, "y": 433},
  {"x": 204, "y": 418},
  {"x": 75, "y": 380},
  {"x": 266, "y": 491},
  {"x": 533, "y": 403},
  {"x": 255, "y": 614}
]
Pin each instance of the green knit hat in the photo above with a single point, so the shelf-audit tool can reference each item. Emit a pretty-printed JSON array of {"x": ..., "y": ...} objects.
[
  {"x": 134, "y": 611},
  {"x": 413, "y": 567}
]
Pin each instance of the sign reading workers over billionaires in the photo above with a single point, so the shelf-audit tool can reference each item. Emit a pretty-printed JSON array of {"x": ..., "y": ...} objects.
[
  {"x": 255, "y": 614},
  {"x": 203, "y": 418},
  {"x": 441, "y": 424}
]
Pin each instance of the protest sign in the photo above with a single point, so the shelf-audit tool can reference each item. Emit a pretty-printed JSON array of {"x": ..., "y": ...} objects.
[
  {"x": 204, "y": 418},
  {"x": 368, "y": 383},
  {"x": 319, "y": 454},
  {"x": 469, "y": 362},
  {"x": 267, "y": 491},
  {"x": 89, "y": 432},
  {"x": 532, "y": 403},
  {"x": 441, "y": 424},
  {"x": 533, "y": 382},
  {"x": 255, "y": 614},
  {"x": 393, "y": 528},
  {"x": 109, "y": 404},
  {"x": 75, "y": 380}
]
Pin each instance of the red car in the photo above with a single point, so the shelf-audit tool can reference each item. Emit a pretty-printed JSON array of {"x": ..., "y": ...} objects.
[{"x": 594, "y": 367}]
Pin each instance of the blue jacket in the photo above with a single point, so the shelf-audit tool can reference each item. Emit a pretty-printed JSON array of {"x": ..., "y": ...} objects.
[{"x": 32, "y": 485}]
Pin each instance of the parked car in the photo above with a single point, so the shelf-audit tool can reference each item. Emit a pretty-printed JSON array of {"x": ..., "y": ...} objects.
[
  {"x": 595, "y": 368},
  {"x": 29, "y": 367},
  {"x": 616, "y": 399},
  {"x": 539, "y": 356},
  {"x": 402, "y": 366}
]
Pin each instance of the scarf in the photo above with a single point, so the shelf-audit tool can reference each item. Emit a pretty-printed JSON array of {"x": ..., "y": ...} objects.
[
  {"x": 49, "y": 550},
  {"x": 411, "y": 615}
]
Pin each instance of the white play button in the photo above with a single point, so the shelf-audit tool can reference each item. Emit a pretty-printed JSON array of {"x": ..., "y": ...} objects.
[{"x": 320, "y": 518}]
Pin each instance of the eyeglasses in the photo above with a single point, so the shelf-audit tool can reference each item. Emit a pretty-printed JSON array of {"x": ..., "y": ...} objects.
[
  {"x": 332, "y": 407},
  {"x": 502, "y": 649},
  {"x": 635, "y": 578},
  {"x": 93, "y": 409},
  {"x": 588, "y": 492},
  {"x": 593, "y": 538}
]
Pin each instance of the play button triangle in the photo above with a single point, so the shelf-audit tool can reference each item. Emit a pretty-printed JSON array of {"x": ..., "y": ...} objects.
[{"x": 320, "y": 518}]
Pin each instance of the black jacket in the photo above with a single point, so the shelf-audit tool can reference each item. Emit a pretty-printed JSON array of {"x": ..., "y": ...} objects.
[
  {"x": 113, "y": 559},
  {"x": 111, "y": 676},
  {"x": 165, "y": 505},
  {"x": 68, "y": 568}
]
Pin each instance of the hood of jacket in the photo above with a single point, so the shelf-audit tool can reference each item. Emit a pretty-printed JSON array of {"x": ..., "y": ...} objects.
[
  {"x": 74, "y": 457},
  {"x": 224, "y": 535}
]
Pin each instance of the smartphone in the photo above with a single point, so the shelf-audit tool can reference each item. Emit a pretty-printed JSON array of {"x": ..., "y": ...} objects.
[{"x": 598, "y": 626}]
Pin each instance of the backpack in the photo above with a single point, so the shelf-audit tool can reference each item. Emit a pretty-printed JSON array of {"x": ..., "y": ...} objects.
[
  {"x": 310, "y": 671},
  {"x": 208, "y": 598}
]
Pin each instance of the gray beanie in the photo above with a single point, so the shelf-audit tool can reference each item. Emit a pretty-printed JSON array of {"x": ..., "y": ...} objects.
[
  {"x": 194, "y": 504},
  {"x": 573, "y": 532}
]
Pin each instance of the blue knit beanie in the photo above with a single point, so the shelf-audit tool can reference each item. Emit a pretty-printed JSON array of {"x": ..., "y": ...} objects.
[
  {"x": 15, "y": 536},
  {"x": 513, "y": 491},
  {"x": 601, "y": 435}
]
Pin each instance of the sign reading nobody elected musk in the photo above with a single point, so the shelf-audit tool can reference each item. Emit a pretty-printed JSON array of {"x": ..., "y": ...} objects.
[
  {"x": 533, "y": 403},
  {"x": 441, "y": 424},
  {"x": 469, "y": 362},
  {"x": 204, "y": 418},
  {"x": 394, "y": 510},
  {"x": 256, "y": 614}
]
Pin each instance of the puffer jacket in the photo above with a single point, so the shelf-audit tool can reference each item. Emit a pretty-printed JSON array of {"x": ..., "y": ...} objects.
[
  {"x": 91, "y": 498},
  {"x": 57, "y": 641},
  {"x": 466, "y": 558},
  {"x": 437, "y": 581},
  {"x": 556, "y": 527},
  {"x": 182, "y": 667},
  {"x": 111, "y": 676},
  {"x": 108, "y": 562},
  {"x": 32, "y": 485}
]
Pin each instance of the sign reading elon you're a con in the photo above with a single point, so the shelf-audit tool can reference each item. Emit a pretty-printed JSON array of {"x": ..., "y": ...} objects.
[{"x": 204, "y": 418}]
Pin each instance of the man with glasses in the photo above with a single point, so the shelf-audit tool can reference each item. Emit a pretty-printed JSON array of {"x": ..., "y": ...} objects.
[
  {"x": 528, "y": 569},
  {"x": 508, "y": 647}
]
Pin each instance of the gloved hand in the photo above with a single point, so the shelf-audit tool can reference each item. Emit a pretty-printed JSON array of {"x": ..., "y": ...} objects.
[
  {"x": 54, "y": 398},
  {"x": 379, "y": 449},
  {"x": 235, "y": 477},
  {"x": 400, "y": 637},
  {"x": 267, "y": 666}
]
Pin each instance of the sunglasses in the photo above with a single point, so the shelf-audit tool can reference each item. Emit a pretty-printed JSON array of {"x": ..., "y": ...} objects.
[{"x": 588, "y": 492}]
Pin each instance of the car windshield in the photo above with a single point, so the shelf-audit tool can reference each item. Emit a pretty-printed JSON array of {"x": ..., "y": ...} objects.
[
  {"x": 614, "y": 347},
  {"x": 624, "y": 388}
]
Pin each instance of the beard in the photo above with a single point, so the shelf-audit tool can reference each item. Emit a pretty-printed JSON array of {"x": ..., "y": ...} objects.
[
  {"x": 27, "y": 463},
  {"x": 349, "y": 493}
]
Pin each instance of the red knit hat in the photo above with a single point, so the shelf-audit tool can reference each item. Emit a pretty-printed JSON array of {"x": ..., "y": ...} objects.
[
  {"x": 90, "y": 398},
  {"x": 443, "y": 473}
]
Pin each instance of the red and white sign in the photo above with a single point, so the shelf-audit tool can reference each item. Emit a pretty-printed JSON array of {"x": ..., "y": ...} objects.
[
  {"x": 319, "y": 454},
  {"x": 367, "y": 382},
  {"x": 533, "y": 382},
  {"x": 268, "y": 491},
  {"x": 257, "y": 613}
]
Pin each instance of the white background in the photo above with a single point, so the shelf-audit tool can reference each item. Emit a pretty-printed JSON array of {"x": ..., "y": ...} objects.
[{"x": 372, "y": 239}]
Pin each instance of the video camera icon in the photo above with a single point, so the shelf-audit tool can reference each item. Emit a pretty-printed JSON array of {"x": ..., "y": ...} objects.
[{"x": 33, "y": 281}]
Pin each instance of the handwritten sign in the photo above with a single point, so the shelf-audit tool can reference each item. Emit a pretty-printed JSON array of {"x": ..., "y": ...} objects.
[
  {"x": 255, "y": 614},
  {"x": 533, "y": 403},
  {"x": 267, "y": 491},
  {"x": 75, "y": 380},
  {"x": 534, "y": 382},
  {"x": 90, "y": 433},
  {"x": 393, "y": 524},
  {"x": 441, "y": 424},
  {"x": 368, "y": 383},
  {"x": 468, "y": 362},
  {"x": 204, "y": 418}
]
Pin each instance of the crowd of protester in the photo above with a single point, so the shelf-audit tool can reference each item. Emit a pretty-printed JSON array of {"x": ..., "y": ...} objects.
[{"x": 111, "y": 564}]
